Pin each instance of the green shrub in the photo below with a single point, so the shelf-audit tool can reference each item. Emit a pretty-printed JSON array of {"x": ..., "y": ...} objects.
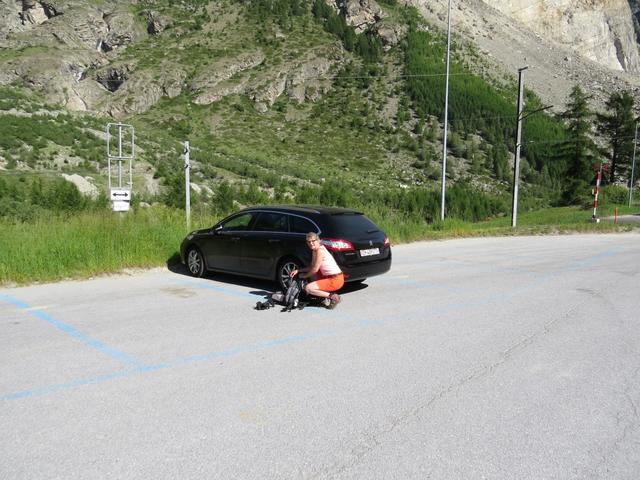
[{"x": 615, "y": 195}]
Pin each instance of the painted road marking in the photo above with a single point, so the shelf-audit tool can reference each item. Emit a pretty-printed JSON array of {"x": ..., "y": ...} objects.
[
  {"x": 360, "y": 324},
  {"x": 72, "y": 331}
]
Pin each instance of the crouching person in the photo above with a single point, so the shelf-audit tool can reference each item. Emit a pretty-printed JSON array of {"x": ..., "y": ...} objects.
[{"x": 324, "y": 274}]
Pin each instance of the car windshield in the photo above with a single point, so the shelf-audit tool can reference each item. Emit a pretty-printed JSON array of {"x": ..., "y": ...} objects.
[{"x": 351, "y": 223}]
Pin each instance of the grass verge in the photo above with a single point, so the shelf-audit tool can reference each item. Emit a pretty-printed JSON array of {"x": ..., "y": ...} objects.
[{"x": 90, "y": 244}]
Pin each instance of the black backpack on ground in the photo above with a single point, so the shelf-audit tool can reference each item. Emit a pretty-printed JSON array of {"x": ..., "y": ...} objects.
[{"x": 291, "y": 299}]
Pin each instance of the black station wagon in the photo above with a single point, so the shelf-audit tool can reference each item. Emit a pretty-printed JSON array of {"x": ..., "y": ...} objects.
[{"x": 268, "y": 242}]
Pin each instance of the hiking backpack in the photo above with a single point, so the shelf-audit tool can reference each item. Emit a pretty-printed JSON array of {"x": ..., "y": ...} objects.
[
  {"x": 293, "y": 293},
  {"x": 290, "y": 299}
]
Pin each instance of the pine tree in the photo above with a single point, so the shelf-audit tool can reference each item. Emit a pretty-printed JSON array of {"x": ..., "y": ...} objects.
[
  {"x": 618, "y": 128},
  {"x": 580, "y": 150}
]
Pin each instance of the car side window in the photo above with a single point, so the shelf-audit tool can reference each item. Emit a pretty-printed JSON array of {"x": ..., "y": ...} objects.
[
  {"x": 271, "y": 222},
  {"x": 238, "y": 223},
  {"x": 301, "y": 225}
]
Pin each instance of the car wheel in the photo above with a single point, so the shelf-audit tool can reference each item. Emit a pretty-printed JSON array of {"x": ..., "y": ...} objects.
[
  {"x": 195, "y": 262},
  {"x": 285, "y": 267}
]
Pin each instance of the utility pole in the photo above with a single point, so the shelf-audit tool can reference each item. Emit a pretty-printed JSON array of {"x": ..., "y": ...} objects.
[
  {"x": 446, "y": 115},
  {"x": 187, "y": 189},
  {"x": 633, "y": 164},
  {"x": 516, "y": 163}
]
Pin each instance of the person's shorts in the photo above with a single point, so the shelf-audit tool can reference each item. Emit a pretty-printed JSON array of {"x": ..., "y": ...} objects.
[{"x": 331, "y": 284}]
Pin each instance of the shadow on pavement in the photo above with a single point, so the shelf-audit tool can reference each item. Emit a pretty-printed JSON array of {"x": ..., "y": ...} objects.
[{"x": 260, "y": 287}]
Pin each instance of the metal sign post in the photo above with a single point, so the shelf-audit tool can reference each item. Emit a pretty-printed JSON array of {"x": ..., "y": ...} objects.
[
  {"x": 187, "y": 188},
  {"x": 120, "y": 148}
]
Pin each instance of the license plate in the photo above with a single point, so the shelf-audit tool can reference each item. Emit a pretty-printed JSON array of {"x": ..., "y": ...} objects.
[{"x": 369, "y": 251}]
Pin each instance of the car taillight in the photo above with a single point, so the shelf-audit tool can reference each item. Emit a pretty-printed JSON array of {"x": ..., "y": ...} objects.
[
  {"x": 337, "y": 244},
  {"x": 387, "y": 242}
]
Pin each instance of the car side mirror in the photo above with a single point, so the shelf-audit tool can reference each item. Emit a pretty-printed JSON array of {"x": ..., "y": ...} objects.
[{"x": 217, "y": 230}]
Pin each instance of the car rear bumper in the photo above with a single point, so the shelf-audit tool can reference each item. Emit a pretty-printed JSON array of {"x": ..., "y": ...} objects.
[{"x": 366, "y": 270}]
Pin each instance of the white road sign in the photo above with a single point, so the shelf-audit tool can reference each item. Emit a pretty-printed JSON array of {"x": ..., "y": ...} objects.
[
  {"x": 121, "y": 199},
  {"x": 121, "y": 206},
  {"x": 120, "y": 194}
]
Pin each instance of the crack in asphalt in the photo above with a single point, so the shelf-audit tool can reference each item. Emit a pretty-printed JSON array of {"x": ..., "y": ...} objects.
[
  {"x": 632, "y": 424},
  {"x": 372, "y": 440}
]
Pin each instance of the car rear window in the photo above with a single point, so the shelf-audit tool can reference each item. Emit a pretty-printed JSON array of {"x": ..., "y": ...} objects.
[
  {"x": 349, "y": 224},
  {"x": 301, "y": 225}
]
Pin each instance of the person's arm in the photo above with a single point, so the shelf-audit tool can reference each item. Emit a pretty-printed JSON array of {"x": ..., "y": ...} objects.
[
  {"x": 316, "y": 261},
  {"x": 309, "y": 271},
  {"x": 299, "y": 271}
]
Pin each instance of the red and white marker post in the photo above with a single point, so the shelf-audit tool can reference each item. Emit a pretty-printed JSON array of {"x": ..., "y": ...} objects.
[
  {"x": 596, "y": 191},
  {"x": 600, "y": 170}
]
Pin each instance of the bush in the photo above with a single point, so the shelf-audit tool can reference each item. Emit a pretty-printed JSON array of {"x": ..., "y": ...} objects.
[{"x": 615, "y": 195}]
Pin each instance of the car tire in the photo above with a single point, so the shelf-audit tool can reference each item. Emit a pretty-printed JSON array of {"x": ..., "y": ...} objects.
[
  {"x": 195, "y": 262},
  {"x": 285, "y": 267}
]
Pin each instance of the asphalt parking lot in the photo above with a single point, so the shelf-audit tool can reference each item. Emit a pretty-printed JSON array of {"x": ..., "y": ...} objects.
[{"x": 496, "y": 358}]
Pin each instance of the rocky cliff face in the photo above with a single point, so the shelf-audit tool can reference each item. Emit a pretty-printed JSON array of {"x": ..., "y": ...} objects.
[
  {"x": 55, "y": 42},
  {"x": 71, "y": 50},
  {"x": 564, "y": 42},
  {"x": 600, "y": 30}
]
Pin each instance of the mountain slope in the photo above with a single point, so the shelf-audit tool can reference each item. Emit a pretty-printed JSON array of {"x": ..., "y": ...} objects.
[
  {"x": 586, "y": 42},
  {"x": 337, "y": 102}
]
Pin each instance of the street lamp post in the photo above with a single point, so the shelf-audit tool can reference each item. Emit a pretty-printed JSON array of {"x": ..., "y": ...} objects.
[
  {"x": 633, "y": 164},
  {"x": 446, "y": 115},
  {"x": 516, "y": 163}
]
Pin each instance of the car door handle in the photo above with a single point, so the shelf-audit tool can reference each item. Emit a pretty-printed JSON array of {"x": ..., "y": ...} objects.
[
  {"x": 274, "y": 240},
  {"x": 235, "y": 239}
]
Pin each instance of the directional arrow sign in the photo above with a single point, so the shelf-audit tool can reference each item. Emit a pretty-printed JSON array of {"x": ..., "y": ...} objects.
[
  {"x": 121, "y": 199},
  {"x": 120, "y": 194}
]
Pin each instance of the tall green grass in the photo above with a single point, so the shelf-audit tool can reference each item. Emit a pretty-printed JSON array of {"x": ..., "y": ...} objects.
[
  {"x": 88, "y": 244},
  {"x": 402, "y": 229},
  {"x": 95, "y": 243}
]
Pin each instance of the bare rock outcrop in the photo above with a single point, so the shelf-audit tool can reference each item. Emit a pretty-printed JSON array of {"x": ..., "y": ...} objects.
[
  {"x": 143, "y": 89},
  {"x": 310, "y": 79},
  {"x": 302, "y": 79},
  {"x": 85, "y": 185},
  {"x": 367, "y": 15},
  {"x": 156, "y": 22},
  {"x": 360, "y": 14},
  {"x": 22, "y": 15},
  {"x": 390, "y": 34},
  {"x": 64, "y": 39},
  {"x": 600, "y": 30},
  {"x": 508, "y": 44},
  {"x": 210, "y": 85}
]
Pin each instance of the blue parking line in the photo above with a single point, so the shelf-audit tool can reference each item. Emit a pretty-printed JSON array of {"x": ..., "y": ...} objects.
[
  {"x": 359, "y": 324},
  {"x": 232, "y": 352},
  {"x": 67, "y": 386},
  {"x": 73, "y": 332}
]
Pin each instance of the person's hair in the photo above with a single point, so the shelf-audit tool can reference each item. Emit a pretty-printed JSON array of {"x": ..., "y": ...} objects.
[{"x": 312, "y": 236}]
